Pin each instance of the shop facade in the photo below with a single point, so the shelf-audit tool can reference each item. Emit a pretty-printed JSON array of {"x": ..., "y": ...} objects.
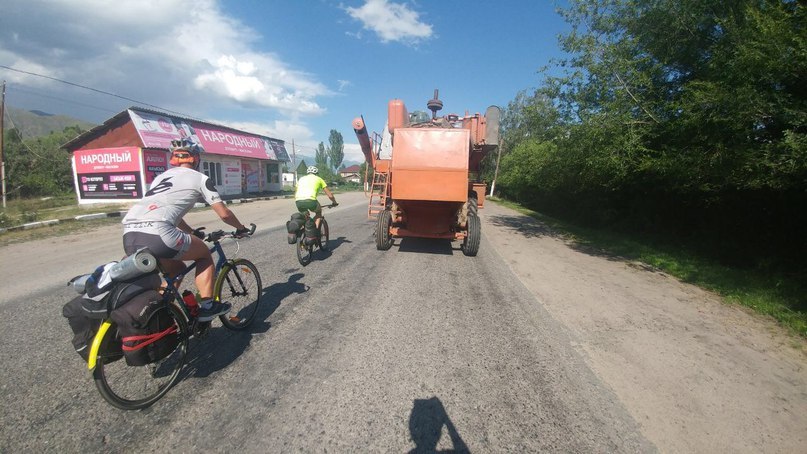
[{"x": 118, "y": 161}]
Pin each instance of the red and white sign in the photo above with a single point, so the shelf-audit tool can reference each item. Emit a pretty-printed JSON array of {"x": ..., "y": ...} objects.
[
  {"x": 251, "y": 171},
  {"x": 157, "y": 131},
  {"x": 108, "y": 173},
  {"x": 107, "y": 160},
  {"x": 233, "y": 144},
  {"x": 154, "y": 163},
  {"x": 232, "y": 177}
]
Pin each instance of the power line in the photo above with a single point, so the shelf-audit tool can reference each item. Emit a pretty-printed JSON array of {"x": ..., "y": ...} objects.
[
  {"x": 95, "y": 90},
  {"x": 117, "y": 96},
  {"x": 8, "y": 114},
  {"x": 42, "y": 95}
]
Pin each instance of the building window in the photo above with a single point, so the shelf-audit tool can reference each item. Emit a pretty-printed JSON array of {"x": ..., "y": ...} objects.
[{"x": 213, "y": 171}]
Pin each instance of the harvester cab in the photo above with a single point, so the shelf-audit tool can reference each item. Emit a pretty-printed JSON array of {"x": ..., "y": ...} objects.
[{"x": 429, "y": 185}]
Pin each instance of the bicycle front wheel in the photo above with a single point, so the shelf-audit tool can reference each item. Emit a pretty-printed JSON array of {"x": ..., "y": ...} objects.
[
  {"x": 323, "y": 235},
  {"x": 239, "y": 284},
  {"x": 136, "y": 387}
]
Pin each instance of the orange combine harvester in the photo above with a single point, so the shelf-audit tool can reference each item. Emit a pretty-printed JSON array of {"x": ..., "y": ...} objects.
[{"x": 425, "y": 180}]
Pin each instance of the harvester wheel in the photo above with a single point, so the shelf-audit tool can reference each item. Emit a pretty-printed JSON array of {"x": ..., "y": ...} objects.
[
  {"x": 383, "y": 240},
  {"x": 473, "y": 206},
  {"x": 470, "y": 246}
]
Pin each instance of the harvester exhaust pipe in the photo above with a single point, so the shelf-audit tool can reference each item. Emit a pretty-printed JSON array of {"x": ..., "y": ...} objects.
[
  {"x": 364, "y": 140},
  {"x": 434, "y": 105}
]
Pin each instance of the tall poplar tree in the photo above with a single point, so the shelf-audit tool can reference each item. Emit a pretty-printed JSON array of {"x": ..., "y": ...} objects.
[
  {"x": 336, "y": 150},
  {"x": 321, "y": 157}
]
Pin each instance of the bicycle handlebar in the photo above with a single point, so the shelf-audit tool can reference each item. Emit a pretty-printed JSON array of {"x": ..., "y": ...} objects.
[
  {"x": 212, "y": 237},
  {"x": 332, "y": 205}
]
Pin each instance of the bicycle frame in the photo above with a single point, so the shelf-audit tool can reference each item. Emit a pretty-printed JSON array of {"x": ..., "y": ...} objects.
[{"x": 219, "y": 264}]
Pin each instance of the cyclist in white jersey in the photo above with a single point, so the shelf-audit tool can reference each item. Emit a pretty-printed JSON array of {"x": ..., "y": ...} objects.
[{"x": 156, "y": 222}]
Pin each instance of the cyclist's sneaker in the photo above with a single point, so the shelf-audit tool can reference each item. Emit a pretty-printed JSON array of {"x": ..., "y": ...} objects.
[{"x": 213, "y": 310}]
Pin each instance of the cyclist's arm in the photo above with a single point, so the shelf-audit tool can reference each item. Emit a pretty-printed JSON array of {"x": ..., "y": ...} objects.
[
  {"x": 329, "y": 194},
  {"x": 182, "y": 225},
  {"x": 227, "y": 215}
]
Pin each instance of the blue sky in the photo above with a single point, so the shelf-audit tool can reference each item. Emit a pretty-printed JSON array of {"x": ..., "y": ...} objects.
[{"x": 287, "y": 69}]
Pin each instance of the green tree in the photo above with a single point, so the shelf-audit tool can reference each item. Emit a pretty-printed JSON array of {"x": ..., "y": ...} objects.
[
  {"x": 38, "y": 166},
  {"x": 336, "y": 150},
  {"x": 707, "y": 134},
  {"x": 321, "y": 157},
  {"x": 302, "y": 168}
]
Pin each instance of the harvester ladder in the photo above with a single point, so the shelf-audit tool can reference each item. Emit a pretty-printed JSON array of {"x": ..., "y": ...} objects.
[{"x": 378, "y": 194}]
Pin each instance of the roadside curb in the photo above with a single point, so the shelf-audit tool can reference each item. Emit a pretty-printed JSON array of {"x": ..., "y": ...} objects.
[{"x": 120, "y": 214}]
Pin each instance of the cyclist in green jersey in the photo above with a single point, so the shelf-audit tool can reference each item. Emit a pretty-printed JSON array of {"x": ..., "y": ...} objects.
[{"x": 308, "y": 188}]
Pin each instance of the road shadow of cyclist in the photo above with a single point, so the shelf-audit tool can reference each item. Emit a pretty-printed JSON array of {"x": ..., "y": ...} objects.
[
  {"x": 426, "y": 424},
  {"x": 220, "y": 347},
  {"x": 333, "y": 244}
]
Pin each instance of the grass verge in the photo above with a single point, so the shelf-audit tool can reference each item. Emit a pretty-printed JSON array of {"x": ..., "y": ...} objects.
[
  {"x": 779, "y": 294},
  {"x": 22, "y": 211},
  {"x": 60, "y": 229}
]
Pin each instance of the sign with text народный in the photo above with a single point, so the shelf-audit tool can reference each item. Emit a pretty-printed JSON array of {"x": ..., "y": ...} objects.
[
  {"x": 157, "y": 131},
  {"x": 108, "y": 173}
]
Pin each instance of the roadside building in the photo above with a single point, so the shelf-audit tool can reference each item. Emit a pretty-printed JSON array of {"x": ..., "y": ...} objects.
[
  {"x": 118, "y": 160},
  {"x": 351, "y": 174}
]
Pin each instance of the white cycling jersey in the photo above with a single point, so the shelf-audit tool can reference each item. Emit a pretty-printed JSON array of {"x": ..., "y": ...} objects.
[{"x": 173, "y": 193}]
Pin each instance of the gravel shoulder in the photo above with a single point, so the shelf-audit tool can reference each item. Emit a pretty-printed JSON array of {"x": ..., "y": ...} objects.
[{"x": 697, "y": 375}]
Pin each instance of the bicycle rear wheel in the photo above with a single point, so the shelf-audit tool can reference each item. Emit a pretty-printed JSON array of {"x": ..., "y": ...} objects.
[
  {"x": 136, "y": 387},
  {"x": 323, "y": 235},
  {"x": 303, "y": 252},
  {"x": 239, "y": 284}
]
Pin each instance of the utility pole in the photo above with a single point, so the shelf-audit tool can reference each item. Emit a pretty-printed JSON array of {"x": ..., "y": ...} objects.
[
  {"x": 496, "y": 173},
  {"x": 294, "y": 161},
  {"x": 2, "y": 136}
]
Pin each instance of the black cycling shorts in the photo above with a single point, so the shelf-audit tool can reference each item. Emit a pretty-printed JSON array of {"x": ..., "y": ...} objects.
[
  {"x": 304, "y": 206},
  {"x": 132, "y": 241}
]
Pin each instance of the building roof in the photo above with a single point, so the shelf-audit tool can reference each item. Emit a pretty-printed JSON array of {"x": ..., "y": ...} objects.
[
  {"x": 213, "y": 136},
  {"x": 352, "y": 169}
]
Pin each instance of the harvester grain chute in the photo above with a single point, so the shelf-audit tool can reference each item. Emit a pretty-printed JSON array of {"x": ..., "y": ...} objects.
[{"x": 425, "y": 173}]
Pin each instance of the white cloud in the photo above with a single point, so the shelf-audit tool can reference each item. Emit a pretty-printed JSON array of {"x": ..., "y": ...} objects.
[
  {"x": 343, "y": 84},
  {"x": 391, "y": 21},
  {"x": 278, "y": 129},
  {"x": 174, "y": 53},
  {"x": 353, "y": 152}
]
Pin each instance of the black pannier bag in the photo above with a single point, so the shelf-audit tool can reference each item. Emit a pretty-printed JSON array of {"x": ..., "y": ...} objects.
[
  {"x": 85, "y": 313},
  {"x": 311, "y": 233},
  {"x": 119, "y": 294},
  {"x": 294, "y": 226},
  {"x": 147, "y": 329},
  {"x": 84, "y": 328}
]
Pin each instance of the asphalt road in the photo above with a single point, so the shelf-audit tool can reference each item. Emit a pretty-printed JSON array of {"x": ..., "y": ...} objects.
[{"x": 416, "y": 348}]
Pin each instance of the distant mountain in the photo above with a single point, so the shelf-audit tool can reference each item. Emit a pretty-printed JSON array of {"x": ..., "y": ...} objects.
[{"x": 35, "y": 123}]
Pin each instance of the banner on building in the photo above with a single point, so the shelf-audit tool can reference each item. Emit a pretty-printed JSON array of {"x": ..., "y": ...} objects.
[
  {"x": 233, "y": 183},
  {"x": 252, "y": 175},
  {"x": 154, "y": 163},
  {"x": 108, "y": 173},
  {"x": 157, "y": 131}
]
